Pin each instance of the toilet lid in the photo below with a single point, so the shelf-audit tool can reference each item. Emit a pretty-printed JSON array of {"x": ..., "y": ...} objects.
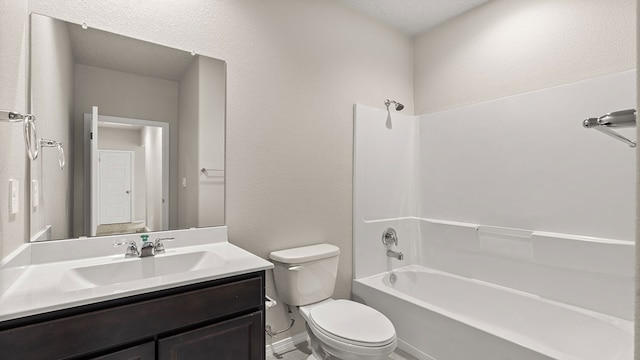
[{"x": 353, "y": 322}]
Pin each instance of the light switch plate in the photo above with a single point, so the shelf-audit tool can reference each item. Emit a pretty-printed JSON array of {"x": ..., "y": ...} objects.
[{"x": 14, "y": 194}]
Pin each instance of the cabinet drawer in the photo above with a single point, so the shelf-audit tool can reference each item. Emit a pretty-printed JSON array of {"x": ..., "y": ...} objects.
[
  {"x": 99, "y": 330},
  {"x": 236, "y": 339}
]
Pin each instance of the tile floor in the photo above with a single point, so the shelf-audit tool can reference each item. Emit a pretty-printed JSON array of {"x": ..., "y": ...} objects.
[{"x": 302, "y": 352}]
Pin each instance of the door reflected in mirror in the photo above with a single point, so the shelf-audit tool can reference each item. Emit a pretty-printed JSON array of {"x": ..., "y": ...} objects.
[{"x": 143, "y": 126}]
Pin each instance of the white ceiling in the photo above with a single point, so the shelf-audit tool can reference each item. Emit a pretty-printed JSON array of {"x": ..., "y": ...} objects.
[{"x": 413, "y": 16}]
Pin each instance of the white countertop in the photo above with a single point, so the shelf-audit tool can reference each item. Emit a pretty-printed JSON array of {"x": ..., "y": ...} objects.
[{"x": 32, "y": 279}]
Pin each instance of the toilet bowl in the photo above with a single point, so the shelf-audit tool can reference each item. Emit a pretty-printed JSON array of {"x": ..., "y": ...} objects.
[
  {"x": 337, "y": 329},
  {"x": 348, "y": 330}
]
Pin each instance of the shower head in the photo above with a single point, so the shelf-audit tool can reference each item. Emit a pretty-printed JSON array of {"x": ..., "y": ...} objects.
[{"x": 398, "y": 106}]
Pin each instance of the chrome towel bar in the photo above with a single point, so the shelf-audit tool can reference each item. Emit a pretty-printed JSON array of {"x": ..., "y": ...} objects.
[
  {"x": 207, "y": 172},
  {"x": 28, "y": 128},
  {"x": 616, "y": 119}
]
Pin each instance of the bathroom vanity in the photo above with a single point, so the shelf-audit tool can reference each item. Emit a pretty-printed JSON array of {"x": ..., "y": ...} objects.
[
  {"x": 81, "y": 308},
  {"x": 221, "y": 318}
]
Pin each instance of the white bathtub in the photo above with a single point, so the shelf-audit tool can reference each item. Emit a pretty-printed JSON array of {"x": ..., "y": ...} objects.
[{"x": 442, "y": 316}]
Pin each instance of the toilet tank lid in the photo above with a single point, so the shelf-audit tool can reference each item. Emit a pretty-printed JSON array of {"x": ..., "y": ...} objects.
[{"x": 305, "y": 253}]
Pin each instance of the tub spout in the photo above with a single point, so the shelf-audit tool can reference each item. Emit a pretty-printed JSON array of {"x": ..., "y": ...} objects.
[{"x": 395, "y": 254}]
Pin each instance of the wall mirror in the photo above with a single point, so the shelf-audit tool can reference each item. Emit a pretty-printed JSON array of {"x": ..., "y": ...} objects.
[{"x": 143, "y": 131}]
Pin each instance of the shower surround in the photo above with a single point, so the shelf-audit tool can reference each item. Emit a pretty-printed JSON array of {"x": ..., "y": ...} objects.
[{"x": 510, "y": 202}]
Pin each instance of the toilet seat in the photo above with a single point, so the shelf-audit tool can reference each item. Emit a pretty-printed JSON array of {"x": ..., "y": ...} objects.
[
  {"x": 352, "y": 322},
  {"x": 348, "y": 327}
]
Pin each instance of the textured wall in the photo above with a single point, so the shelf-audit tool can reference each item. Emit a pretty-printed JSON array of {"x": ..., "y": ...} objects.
[
  {"x": 294, "y": 70},
  {"x": 14, "y": 229},
  {"x": 508, "y": 47}
]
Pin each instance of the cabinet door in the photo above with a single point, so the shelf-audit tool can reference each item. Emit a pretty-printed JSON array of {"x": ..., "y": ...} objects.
[
  {"x": 145, "y": 351},
  {"x": 241, "y": 338}
]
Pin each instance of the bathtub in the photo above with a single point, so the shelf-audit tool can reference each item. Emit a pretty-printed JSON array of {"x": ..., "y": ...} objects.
[{"x": 441, "y": 316}]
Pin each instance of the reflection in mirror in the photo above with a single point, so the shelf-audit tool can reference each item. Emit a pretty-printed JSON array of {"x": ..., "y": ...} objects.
[{"x": 139, "y": 122}]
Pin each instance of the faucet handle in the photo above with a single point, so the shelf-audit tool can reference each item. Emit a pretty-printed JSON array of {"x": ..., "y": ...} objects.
[
  {"x": 158, "y": 246},
  {"x": 132, "y": 248},
  {"x": 389, "y": 237}
]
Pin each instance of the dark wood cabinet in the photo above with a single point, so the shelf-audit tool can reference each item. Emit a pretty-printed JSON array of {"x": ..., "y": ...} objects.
[
  {"x": 146, "y": 351},
  {"x": 229, "y": 340},
  {"x": 220, "y": 319}
]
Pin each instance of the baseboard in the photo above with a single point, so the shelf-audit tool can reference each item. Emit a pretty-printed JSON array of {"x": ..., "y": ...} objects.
[
  {"x": 413, "y": 351},
  {"x": 284, "y": 345}
]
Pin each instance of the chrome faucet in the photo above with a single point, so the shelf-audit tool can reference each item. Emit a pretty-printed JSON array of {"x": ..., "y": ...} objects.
[
  {"x": 390, "y": 238},
  {"x": 147, "y": 249},
  {"x": 132, "y": 248},
  {"x": 158, "y": 246},
  {"x": 395, "y": 254}
]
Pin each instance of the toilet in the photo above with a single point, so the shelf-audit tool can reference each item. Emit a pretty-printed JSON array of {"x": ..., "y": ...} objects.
[{"x": 337, "y": 329}]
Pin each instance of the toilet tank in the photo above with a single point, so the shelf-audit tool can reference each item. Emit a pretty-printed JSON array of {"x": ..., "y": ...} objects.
[{"x": 305, "y": 275}]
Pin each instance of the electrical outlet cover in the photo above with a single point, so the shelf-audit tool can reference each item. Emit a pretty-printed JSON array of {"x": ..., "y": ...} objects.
[
  {"x": 35, "y": 194},
  {"x": 14, "y": 193}
]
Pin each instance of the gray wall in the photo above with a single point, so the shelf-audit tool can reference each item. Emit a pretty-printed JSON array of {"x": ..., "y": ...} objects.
[
  {"x": 211, "y": 141},
  {"x": 201, "y": 133},
  {"x": 52, "y": 99},
  {"x": 188, "y": 110},
  {"x": 153, "y": 168}
]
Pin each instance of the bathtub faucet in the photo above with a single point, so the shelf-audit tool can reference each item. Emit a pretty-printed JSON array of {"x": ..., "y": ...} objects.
[{"x": 395, "y": 254}]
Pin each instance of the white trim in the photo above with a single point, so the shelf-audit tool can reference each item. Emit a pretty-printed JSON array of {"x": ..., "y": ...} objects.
[{"x": 284, "y": 345}]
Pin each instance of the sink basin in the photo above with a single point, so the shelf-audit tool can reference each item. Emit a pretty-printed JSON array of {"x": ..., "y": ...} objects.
[{"x": 127, "y": 270}]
